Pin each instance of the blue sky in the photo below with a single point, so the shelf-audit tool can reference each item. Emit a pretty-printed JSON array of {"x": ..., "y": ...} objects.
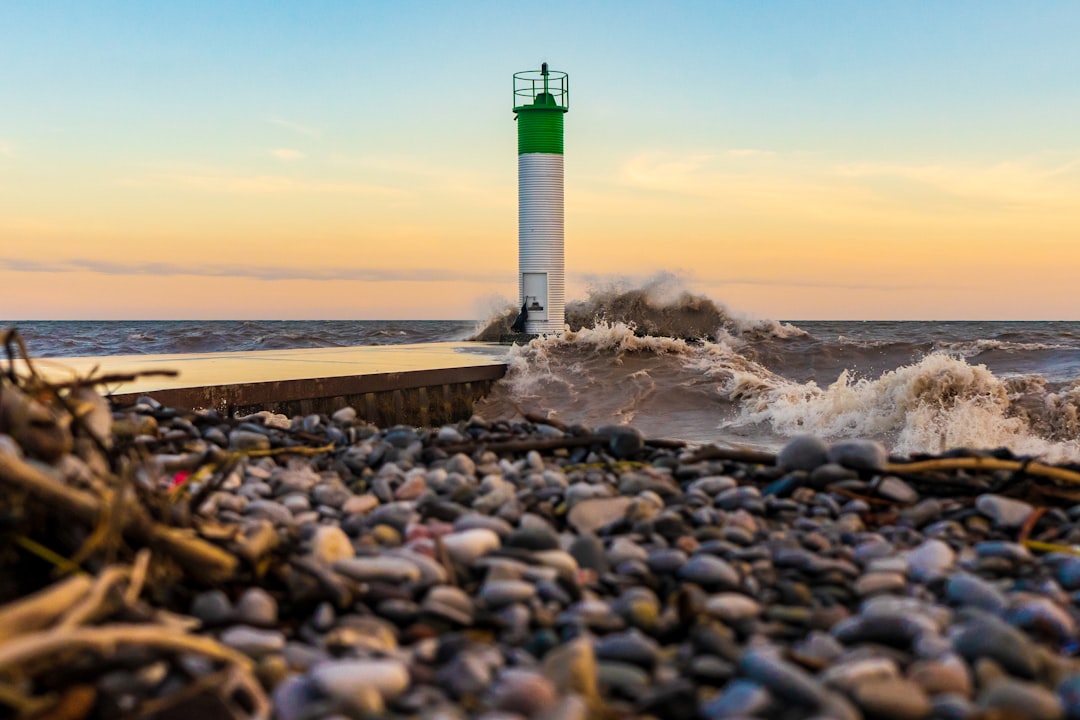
[{"x": 269, "y": 128}]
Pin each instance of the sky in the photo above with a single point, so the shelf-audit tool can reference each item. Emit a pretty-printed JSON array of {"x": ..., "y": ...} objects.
[{"x": 307, "y": 160}]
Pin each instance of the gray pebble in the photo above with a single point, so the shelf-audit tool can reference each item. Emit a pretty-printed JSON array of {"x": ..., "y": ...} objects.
[
  {"x": 498, "y": 593},
  {"x": 972, "y": 591},
  {"x": 257, "y": 607},
  {"x": 385, "y": 569},
  {"x": 987, "y": 636},
  {"x": 892, "y": 699},
  {"x": 861, "y": 455},
  {"x": 254, "y": 642},
  {"x": 930, "y": 560},
  {"x": 785, "y": 680},
  {"x": 588, "y": 516},
  {"x": 212, "y": 607},
  {"x": 1006, "y": 512},
  {"x": 351, "y": 680},
  {"x": 710, "y": 572},
  {"x": 803, "y": 452},
  {"x": 741, "y": 698}
]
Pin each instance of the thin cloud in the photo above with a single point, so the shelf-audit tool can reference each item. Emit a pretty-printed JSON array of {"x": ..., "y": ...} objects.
[
  {"x": 295, "y": 127},
  {"x": 267, "y": 185},
  {"x": 287, "y": 154},
  {"x": 688, "y": 282},
  {"x": 1015, "y": 182},
  {"x": 869, "y": 191},
  {"x": 248, "y": 271},
  {"x": 6, "y": 150}
]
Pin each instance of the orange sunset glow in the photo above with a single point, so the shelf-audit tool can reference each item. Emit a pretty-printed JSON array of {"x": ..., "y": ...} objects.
[{"x": 186, "y": 172}]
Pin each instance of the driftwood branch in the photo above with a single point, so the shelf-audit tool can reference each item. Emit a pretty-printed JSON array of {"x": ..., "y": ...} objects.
[
  {"x": 745, "y": 455},
  {"x": 106, "y": 639},
  {"x": 981, "y": 463},
  {"x": 201, "y": 560},
  {"x": 40, "y": 610}
]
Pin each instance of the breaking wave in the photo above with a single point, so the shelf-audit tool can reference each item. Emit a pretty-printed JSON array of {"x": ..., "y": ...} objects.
[{"x": 680, "y": 365}]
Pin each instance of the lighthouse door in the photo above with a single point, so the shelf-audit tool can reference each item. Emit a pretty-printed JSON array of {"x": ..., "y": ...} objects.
[{"x": 535, "y": 292}]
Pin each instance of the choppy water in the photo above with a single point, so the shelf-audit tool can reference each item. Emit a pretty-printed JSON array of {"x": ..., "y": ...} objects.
[
  {"x": 678, "y": 365},
  {"x": 78, "y": 338}
]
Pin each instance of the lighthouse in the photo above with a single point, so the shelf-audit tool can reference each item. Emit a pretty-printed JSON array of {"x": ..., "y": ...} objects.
[{"x": 541, "y": 98}]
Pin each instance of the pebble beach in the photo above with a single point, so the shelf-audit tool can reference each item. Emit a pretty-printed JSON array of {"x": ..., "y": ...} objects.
[{"x": 320, "y": 567}]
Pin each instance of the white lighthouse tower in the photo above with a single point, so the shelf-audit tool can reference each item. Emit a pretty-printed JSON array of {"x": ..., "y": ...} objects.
[{"x": 541, "y": 98}]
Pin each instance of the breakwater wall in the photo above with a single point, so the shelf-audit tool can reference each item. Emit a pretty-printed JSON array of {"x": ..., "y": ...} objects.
[{"x": 414, "y": 397}]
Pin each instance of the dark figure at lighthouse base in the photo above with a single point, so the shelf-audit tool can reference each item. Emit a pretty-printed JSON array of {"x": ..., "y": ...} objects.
[{"x": 519, "y": 323}]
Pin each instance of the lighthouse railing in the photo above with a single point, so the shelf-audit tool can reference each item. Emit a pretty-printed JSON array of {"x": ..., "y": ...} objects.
[{"x": 528, "y": 84}]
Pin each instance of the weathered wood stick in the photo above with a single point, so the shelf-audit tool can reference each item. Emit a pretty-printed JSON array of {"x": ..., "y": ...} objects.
[
  {"x": 41, "y": 609},
  {"x": 712, "y": 452},
  {"x": 981, "y": 463},
  {"x": 201, "y": 560},
  {"x": 105, "y": 639},
  {"x": 526, "y": 445}
]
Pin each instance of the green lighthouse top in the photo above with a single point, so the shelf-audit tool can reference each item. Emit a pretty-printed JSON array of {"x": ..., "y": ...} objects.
[{"x": 541, "y": 89}]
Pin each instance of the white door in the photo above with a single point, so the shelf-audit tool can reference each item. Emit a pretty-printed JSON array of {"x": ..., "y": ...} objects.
[{"x": 534, "y": 288}]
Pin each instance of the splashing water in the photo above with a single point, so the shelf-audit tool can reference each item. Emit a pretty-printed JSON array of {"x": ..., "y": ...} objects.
[{"x": 680, "y": 365}]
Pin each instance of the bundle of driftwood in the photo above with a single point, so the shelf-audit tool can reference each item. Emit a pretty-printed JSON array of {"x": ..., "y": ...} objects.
[{"x": 93, "y": 548}]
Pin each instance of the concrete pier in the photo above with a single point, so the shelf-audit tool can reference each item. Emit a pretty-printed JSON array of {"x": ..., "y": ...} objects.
[{"x": 423, "y": 384}]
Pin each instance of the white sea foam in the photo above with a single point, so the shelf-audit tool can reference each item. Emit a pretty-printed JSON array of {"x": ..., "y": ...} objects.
[
  {"x": 681, "y": 365},
  {"x": 973, "y": 348},
  {"x": 939, "y": 403}
]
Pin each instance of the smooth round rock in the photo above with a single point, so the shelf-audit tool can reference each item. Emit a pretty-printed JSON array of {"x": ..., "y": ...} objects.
[
  {"x": 571, "y": 667},
  {"x": 1015, "y": 698},
  {"x": 1068, "y": 692},
  {"x": 930, "y": 560},
  {"x": 629, "y": 647},
  {"x": 588, "y": 516},
  {"x": 330, "y": 544},
  {"x": 450, "y": 603},
  {"x": 1042, "y": 617},
  {"x": 624, "y": 442},
  {"x": 1007, "y": 513},
  {"x": 876, "y": 583},
  {"x": 449, "y": 434},
  {"x": 740, "y": 698},
  {"x": 1068, "y": 573},
  {"x": 257, "y": 607},
  {"x": 895, "y": 489},
  {"x": 894, "y": 699},
  {"x": 383, "y": 569},
  {"x": 989, "y": 637},
  {"x": 803, "y": 452},
  {"x": 860, "y": 455},
  {"x": 589, "y": 552},
  {"x": 938, "y": 677},
  {"x": 533, "y": 538},
  {"x": 212, "y": 607},
  {"x": 970, "y": 590},
  {"x": 732, "y": 607},
  {"x": 785, "y": 680},
  {"x": 499, "y": 593},
  {"x": 254, "y": 642},
  {"x": 351, "y": 680},
  {"x": 344, "y": 416},
  {"x": 524, "y": 692},
  {"x": 466, "y": 546},
  {"x": 710, "y": 571},
  {"x": 849, "y": 675}
]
